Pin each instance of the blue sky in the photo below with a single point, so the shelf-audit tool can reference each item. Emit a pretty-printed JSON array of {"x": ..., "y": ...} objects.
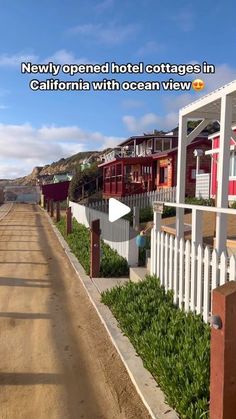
[{"x": 40, "y": 127}]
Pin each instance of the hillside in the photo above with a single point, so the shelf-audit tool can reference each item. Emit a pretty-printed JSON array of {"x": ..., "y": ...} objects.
[{"x": 63, "y": 165}]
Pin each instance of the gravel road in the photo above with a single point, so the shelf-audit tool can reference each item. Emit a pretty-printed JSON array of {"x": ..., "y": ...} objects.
[{"x": 56, "y": 360}]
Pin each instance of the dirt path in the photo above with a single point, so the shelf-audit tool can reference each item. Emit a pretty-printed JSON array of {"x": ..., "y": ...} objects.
[{"x": 56, "y": 360}]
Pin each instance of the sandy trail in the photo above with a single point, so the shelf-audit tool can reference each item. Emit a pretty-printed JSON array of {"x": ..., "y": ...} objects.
[{"x": 56, "y": 360}]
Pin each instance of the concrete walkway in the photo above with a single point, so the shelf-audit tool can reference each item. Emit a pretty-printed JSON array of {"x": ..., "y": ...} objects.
[{"x": 56, "y": 360}]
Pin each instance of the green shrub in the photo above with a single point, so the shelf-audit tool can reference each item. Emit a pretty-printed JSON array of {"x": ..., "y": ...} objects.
[
  {"x": 112, "y": 264},
  {"x": 174, "y": 345},
  {"x": 192, "y": 200},
  {"x": 233, "y": 205}
]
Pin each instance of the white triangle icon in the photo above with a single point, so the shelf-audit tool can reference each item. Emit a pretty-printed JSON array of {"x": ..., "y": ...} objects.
[{"x": 117, "y": 210}]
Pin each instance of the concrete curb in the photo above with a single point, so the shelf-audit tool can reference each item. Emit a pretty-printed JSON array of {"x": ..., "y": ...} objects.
[{"x": 151, "y": 395}]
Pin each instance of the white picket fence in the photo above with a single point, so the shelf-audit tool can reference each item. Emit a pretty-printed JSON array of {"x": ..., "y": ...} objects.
[
  {"x": 191, "y": 272},
  {"x": 118, "y": 235},
  {"x": 143, "y": 200}
]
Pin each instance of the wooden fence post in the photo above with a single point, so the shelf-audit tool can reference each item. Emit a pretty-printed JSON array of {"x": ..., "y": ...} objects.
[
  {"x": 58, "y": 211},
  {"x": 51, "y": 208},
  {"x": 68, "y": 221},
  {"x": 223, "y": 352},
  {"x": 42, "y": 201},
  {"x": 95, "y": 249}
]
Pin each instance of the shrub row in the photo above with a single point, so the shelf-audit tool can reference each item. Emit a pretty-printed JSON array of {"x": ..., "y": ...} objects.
[
  {"x": 112, "y": 264},
  {"x": 174, "y": 345}
]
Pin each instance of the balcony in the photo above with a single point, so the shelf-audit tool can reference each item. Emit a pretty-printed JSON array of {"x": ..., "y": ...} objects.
[{"x": 119, "y": 153}]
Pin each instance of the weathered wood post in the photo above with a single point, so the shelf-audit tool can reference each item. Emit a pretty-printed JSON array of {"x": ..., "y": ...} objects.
[
  {"x": 68, "y": 221},
  {"x": 223, "y": 352},
  {"x": 58, "y": 211},
  {"x": 42, "y": 201},
  {"x": 51, "y": 208},
  {"x": 95, "y": 249}
]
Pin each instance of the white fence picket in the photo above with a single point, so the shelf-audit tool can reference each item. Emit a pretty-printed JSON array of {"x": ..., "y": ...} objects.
[
  {"x": 206, "y": 289},
  {"x": 162, "y": 259},
  {"x": 223, "y": 268},
  {"x": 214, "y": 270},
  {"x": 232, "y": 268},
  {"x": 176, "y": 269},
  {"x": 199, "y": 279},
  {"x": 166, "y": 261},
  {"x": 193, "y": 278},
  {"x": 181, "y": 272},
  {"x": 187, "y": 275},
  {"x": 171, "y": 260}
]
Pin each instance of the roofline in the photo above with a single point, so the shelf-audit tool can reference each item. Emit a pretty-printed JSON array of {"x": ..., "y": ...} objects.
[
  {"x": 217, "y": 133},
  {"x": 139, "y": 137},
  {"x": 209, "y": 98}
]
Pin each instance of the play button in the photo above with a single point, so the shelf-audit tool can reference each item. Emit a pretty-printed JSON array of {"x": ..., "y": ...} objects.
[{"x": 117, "y": 210}]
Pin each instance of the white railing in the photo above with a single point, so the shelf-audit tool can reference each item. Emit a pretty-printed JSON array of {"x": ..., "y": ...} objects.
[
  {"x": 118, "y": 235},
  {"x": 143, "y": 200},
  {"x": 191, "y": 272}
]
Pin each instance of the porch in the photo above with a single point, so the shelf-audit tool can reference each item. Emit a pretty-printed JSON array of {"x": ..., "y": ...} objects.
[{"x": 128, "y": 176}]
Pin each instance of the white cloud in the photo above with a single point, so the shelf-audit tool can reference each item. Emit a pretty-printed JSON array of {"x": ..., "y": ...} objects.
[
  {"x": 131, "y": 103},
  {"x": 150, "y": 121},
  {"x": 63, "y": 56},
  {"x": 172, "y": 103},
  {"x": 104, "y": 5},
  {"x": 224, "y": 74},
  {"x": 107, "y": 33},
  {"x": 151, "y": 47},
  {"x": 3, "y": 107},
  {"x": 7, "y": 60},
  {"x": 25, "y": 146},
  {"x": 184, "y": 20}
]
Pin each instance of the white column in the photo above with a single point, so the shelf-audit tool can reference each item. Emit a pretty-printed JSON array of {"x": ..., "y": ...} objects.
[
  {"x": 181, "y": 175},
  {"x": 223, "y": 171}
]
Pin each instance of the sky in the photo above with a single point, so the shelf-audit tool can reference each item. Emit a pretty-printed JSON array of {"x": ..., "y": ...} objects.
[{"x": 39, "y": 127}]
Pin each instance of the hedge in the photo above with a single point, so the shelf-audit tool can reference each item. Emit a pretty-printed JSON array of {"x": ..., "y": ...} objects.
[{"x": 174, "y": 345}]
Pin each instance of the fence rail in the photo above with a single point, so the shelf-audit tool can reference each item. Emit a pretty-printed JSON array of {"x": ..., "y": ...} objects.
[
  {"x": 192, "y": 272},
  {"x": 142, "y": 200},
  {"x": 118, "y": 235}
]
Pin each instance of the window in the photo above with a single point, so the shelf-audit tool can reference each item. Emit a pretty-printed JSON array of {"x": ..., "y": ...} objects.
[
  {"x": 149, "y": 144},
  {"x": 163, "y": 175},
  {"x": 166, "y": 144},
  {"x": 162, "y": 144},
  {"x": 232, "y": 164},
  {"x": 158, "y": 145},
  {"x": 118, "y": 169}
]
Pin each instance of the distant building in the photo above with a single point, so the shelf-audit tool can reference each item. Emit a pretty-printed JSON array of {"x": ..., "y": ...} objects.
[
  {"x": 62, "y": 177},
  {"x": 93, "y": 158},
  {"x": 148, "y": 162}
]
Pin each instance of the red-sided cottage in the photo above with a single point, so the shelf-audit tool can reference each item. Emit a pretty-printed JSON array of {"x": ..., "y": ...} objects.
[
  {"x": 145, "y": 163},
  {"x": 215, "y": 138}
]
